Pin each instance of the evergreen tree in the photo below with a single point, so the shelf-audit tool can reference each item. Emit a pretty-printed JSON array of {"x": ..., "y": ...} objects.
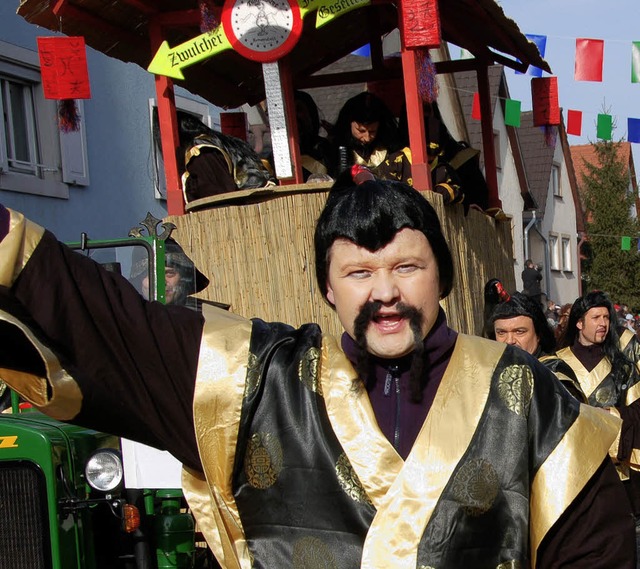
[{"x": 610, "y": 204}]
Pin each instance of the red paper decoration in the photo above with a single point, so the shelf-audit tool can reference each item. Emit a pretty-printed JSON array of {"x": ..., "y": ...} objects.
[
  {"x": 420, "y": 23},
  {"x": 475, "y": 109},
  {"x": 544, "y": 96},
  {"x": 574, "y": 122},
  {"x": 589, "y": 59},
  {"x": 63, "y": 66}
]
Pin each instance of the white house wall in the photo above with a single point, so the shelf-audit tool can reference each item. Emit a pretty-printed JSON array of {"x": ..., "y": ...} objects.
[
  {"x": 560, "y": 219},
  {"x": 509, "y": 191}
]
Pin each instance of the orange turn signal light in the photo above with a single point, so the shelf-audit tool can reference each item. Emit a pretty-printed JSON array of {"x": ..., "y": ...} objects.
[{"x": 131, "y": 518}]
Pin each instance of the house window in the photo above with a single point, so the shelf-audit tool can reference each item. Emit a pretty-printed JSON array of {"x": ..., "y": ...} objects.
[
  {"x": 566, "y": 253},
  {"x": 19, "y": 126},
  {"x": 555, "y": 181},
  {"x": 35, "y": 157},
  {"x": 199, "y": 111},
  {"x": 554, "y": 252}
]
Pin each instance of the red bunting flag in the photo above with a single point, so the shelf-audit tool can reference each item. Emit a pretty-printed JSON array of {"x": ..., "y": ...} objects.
[
  {"x": 544, "y": 96},
  {"x": 475, "y": 109},
  {"x": 574, "y": 122},
  {"x": 589, "y": 59},
  {"x": 63, "y": 65}
]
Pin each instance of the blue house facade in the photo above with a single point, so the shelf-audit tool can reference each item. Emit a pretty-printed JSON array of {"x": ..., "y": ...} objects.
[{"x": 101, "y": 180}]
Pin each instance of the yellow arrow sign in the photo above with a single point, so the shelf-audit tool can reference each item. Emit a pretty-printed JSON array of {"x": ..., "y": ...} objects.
[
  {"x": 170, "y": 61},
  {"x": 329, "y": 10}
]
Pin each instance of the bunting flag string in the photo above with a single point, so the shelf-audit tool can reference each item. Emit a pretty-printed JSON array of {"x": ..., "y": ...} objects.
[{"x": 589, "y": 66}]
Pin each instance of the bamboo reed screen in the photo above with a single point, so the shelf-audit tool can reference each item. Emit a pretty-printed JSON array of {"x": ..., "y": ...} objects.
[{"x": 259, "y": 257}]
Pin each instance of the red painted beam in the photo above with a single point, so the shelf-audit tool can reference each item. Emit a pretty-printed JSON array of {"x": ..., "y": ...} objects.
[
  {"x": 486, "y": 120},
  {"x": 168, "y": 130},
  {"x": 420, "y": 171}
]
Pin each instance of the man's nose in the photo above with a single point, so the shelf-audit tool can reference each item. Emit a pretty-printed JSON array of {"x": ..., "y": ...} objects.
[
  {"x": 385, "y": 289},
  {"x": 511, "y": 339}
]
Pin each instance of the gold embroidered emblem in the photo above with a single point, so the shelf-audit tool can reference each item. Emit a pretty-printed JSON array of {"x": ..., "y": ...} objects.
[
  {"x": 513, "y": 564},
  {"x": 312, "y": 553},
  {"x": 349, "y": 480},
  {"x": 475, "y": 486},
  {"x": 308, "y": 370},
  {"x": 253, "y": 375},
  {"x": 515, "y": 386},
  {"x": 604, "y": 395},
  {"x": 263, "y": 460}
]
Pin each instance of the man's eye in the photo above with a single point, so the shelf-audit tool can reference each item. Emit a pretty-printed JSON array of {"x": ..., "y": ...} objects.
[
  {"x": 406, "y": 268},
  {"x": 359, "y": 274}
]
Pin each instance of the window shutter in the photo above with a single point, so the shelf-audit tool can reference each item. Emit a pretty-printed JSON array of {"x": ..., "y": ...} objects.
[{"x": 73, "y": 147}]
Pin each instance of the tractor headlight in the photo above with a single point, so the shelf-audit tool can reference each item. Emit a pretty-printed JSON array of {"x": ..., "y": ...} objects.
[{"x": 104, "y": 470}]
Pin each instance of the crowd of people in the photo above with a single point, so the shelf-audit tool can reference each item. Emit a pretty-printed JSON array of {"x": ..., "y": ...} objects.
[{"x": 401, "y": 443}]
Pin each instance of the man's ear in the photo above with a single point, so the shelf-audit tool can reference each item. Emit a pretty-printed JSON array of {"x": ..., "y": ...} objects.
[
  {"x": 580, "y": 324},
  {"x": 330, "y": 295}
]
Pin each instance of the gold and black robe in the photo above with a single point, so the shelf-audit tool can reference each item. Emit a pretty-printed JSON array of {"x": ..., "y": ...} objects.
[{"x": 285, "y": 465}]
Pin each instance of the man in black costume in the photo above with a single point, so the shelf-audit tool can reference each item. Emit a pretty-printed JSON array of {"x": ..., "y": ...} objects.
[
  {"x": 518, "y": 320},
  {"x": 401, "y": 444}
]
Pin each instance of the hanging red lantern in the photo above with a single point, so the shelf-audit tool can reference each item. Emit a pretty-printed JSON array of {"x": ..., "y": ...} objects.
[
  {"x": 65, "y": 76},
  {"x": 421, "y": 32},
  {"x": 421, "y": 24},
  {"x": 544, "y": 96}
]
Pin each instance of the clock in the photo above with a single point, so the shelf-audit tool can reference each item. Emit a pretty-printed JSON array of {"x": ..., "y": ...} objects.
[{"x": 262, "y": 30}]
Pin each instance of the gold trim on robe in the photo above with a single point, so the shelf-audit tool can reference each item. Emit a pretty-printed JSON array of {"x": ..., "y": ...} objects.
[
  {"x": 406, "y": 494},
  {"x": 17, "y": 247},
  {"x": 589, "y": 380},
  {"x": 217, "y": 405},
  {"x": 445, "y": 436},
  {"x": 551, "y": 492},
  {"x": 65, "y": 400}
]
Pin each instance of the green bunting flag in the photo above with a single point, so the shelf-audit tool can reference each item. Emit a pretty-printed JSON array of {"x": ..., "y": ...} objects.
[
  {"x": 626, "y": 244},
  {"x": 512, "y": 112},
  {"x": 605, "y": 127},
  {"x": 635, "y": 62}
]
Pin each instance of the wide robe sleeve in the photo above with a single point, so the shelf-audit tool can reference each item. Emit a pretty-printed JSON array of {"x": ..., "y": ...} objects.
[
  {"x": 131, "y": 363},
  {"x": 596, "y": 530}
]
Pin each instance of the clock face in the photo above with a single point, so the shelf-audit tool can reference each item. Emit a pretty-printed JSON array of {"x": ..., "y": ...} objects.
[{"x": 262, "y": 30}]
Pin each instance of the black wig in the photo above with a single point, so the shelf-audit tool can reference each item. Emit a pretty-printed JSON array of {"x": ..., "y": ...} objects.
[
  {"x": 370, "y": 215},
  {"x": 519, "y": 304}
]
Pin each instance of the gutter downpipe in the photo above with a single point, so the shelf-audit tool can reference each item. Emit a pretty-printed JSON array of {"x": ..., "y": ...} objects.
[
  {"x": 526, "y": 234},
  {"x": 547, "y": 269}
]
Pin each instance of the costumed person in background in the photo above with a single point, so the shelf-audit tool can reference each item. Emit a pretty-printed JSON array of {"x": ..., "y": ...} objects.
[
  {"x": 212, "y": 163},
  {"x": 455, "y": 166},
  {"x": 531, "y": 278},
  {"x": 373, "y": 450},
  {"x": 366, "y": 133},
  {"x": 315, "y": 151},
  {"x": 606, "y": 361},
  {"x": 518, "y": 320},
  {"x": 182, "y": 278}
]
